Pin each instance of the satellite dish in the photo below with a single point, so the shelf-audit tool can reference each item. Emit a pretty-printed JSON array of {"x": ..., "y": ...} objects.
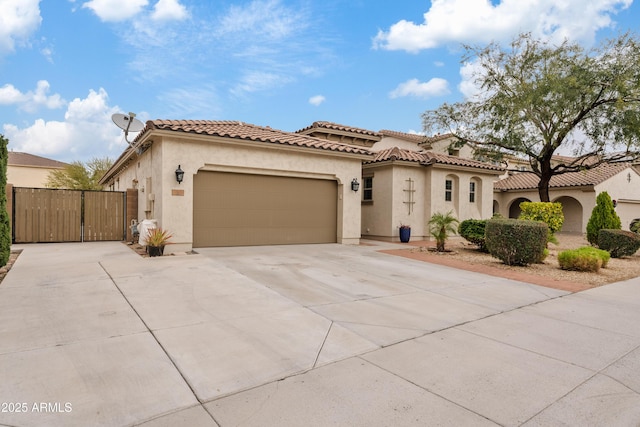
[{"x": 127, "y": 124}]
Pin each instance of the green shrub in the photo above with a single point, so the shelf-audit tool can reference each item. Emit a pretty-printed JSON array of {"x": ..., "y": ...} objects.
[
  {"x": 586, "y": 258},
  {"x": 473, "y": 231},
  {"x": 547, "y": 212},
  {"x": 603, "y": 216},
  {"x": 619, "y": 243},
  {"x": 516, "y": 242},
  {"x": 440, "y": 226}
]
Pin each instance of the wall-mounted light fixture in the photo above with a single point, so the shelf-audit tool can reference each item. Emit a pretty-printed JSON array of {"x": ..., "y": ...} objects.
[
  {"x": 628, "y": 176},
  {"x": 179, "y": 175},
  {"x": 355, "y": 185}
]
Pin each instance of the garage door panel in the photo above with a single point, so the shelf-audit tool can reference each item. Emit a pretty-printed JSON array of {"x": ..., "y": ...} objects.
[{"x": 242, "y": 209}]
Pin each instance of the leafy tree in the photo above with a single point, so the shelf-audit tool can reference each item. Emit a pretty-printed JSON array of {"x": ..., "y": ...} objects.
[
  {"x": 440, "y": 226},
  {"x": 536, "y": 97},
  {"x": 603, "y": 216},
  {"x": 80, "y": 176},
  {"x": 5, "y": 226}
]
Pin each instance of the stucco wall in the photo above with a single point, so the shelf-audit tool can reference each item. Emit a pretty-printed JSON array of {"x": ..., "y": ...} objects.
[
  {"x": 390, "y": 142},
  {"x": 27, "y": 176},
  {"x": 377, "y": 216},
  {"x": 462, "y": 208},
  {"x": 173, "y": 204},
  {"x": 625, "y": 188},
  {"x": 381, "y": 219}
]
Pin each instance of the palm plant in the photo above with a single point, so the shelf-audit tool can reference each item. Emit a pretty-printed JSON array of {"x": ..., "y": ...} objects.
[{"x": 440, "y": 226}]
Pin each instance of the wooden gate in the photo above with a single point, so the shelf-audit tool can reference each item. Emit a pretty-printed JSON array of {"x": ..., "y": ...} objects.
[{"x": 49, "y": 215}]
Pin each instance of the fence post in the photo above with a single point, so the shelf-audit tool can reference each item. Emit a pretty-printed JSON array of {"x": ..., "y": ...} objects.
[
  {"x": 132, "y": 210},
  {"x": 9, "y": 191}
]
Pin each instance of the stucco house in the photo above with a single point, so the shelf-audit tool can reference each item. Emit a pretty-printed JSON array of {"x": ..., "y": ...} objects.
[
  {"x": 243, "y": 184},
  {"x": 29, "y": 170},
  {"x": 577, "y": 191},
  {"x": 411, "y": 177}
]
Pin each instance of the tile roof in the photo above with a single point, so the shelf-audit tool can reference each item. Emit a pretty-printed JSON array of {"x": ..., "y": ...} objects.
[
  {"x": 248, "y": 132},
  {"x": 25, "y": 159},
  {"x": 428, "y": 157},
  {"x": 412, "y": 137},
  {"x": 595, "y": 176},
  {"x": 336, "y": 126}
]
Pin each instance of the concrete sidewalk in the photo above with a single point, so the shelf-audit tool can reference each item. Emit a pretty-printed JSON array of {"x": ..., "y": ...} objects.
[{"x": 93, "y": 334}]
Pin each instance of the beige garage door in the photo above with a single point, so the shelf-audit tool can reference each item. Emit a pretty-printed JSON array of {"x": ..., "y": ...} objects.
[{"x": 232, "y": 209}]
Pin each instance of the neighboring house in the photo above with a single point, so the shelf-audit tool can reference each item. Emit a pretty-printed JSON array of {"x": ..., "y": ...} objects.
[
  {"x": 28, "y": 170},
  {"x": 243, "y": 184},
  {"x": 412, "y": 177},
  {"x": 577, "y": 191}
]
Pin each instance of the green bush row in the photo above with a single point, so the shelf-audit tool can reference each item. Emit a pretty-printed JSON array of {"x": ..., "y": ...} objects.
[
  {"x": 516, "y": 242},
  {"x": 586, "y": 258},
  {"x": 619, "y": 243}
]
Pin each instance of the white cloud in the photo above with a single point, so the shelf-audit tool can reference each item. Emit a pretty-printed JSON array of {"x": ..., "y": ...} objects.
[
  {"x": 169, "y": 10},
  {"x": 317, "y": 100},
  {"x": 115, "y": 10},
  {"x": 266, "y": 18},
  {"x": 19, "y": 19},
  {"x": 256, "y": 81},
  {"x": 87, "y": 131},
  {"x": 415, "y": 88},
  {"x": 31, "y": 100},
  {"x": 479, "y": 21},
  {"x": 467, "y": 85}
]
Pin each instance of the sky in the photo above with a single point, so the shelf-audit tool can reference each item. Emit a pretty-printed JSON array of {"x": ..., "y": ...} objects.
[{"x": 66, "y": 66}]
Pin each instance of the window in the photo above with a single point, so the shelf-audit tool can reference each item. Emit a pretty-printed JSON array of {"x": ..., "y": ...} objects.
[
  {"x": 367, "y": 188},
  {"x": 472, "y": 192},
  {"x": 448, "y": 190}
]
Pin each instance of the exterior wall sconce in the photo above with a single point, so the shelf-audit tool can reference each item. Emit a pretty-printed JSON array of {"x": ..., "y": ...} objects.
[
  {"x": 355, "y": 185},
  {"x": 628, "y": 176},
  {"x": 179, "y": 175}
]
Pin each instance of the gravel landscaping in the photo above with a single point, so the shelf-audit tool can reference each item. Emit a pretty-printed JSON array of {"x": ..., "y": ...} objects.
[{"x": 618, "y": 269}]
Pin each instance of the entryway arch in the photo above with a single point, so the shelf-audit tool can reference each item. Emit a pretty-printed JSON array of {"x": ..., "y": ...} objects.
[{"x": 572, "y": 210}]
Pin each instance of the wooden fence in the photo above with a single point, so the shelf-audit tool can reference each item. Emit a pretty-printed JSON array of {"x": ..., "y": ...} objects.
[{"x": 50, "y": 215}]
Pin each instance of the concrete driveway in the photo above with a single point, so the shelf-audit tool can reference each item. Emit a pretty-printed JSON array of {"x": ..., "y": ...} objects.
[{"x": 311, "y": 335}]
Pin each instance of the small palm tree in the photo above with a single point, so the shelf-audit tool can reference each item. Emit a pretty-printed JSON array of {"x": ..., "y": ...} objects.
[{"x": 440, "y": 226}]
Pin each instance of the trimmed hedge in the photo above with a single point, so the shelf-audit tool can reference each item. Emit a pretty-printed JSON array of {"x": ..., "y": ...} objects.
[
  {"x": 619, "y": 243},
  {"x": 473, "y": 231},
  {"x": 516, "y": 242},
  {"x": 586, "y": 258}
]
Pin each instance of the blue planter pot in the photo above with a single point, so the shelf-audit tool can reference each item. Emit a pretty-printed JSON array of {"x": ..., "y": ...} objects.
[{"x": 405, "y": 234}]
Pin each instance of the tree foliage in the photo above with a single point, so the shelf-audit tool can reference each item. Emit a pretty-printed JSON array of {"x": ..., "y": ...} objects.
[
  {"x": 603, "y": 216},
  {"x": 5, "y": 225},
  {"x": 536, "y": 97},
  {"x": 80, "y": 176}
]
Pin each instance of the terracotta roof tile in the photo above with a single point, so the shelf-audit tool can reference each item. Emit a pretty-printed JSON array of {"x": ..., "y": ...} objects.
[
  {"x": 529, "y": 181},
  {"x": 336, "y": 126},
  {"x": 460, "y": 161},
  {"x": 249, "y": 132},
  {"x": 412, "y": 137},
  {"x": 395, "y": 153},
  {"x": 427, "y": 157},
  {"x": 25, "y": 159}
]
